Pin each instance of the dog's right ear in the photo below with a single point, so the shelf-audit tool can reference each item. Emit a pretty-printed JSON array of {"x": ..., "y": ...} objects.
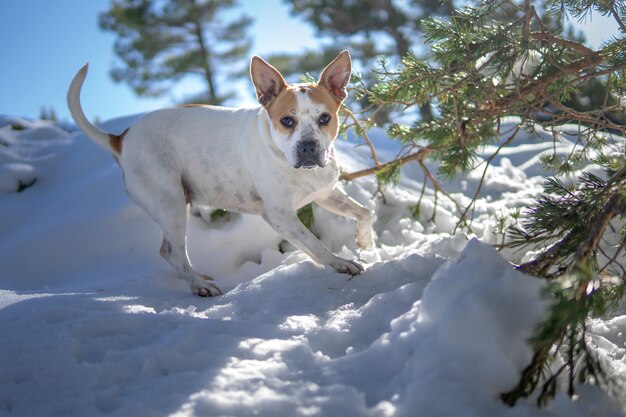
[{"x": 267, "y": 81}]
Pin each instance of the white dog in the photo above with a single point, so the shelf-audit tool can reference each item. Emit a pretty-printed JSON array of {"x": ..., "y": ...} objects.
[{"x": 269, "y": 160}]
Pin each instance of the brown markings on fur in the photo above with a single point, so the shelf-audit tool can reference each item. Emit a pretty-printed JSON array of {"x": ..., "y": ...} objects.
[
  {"x": 266, "y": 97},
  {"x": 240, "y": 198},
  {"x": 255, "y": 196},
  {"x": 187, "y": 191},
  {"x": 115, "y": 141},
  {"x": 286, "y": 102},
  {"x": 166, "y": 248},
  {"x": 284, "y": 105},
  {"x": 322, "y": 96}
]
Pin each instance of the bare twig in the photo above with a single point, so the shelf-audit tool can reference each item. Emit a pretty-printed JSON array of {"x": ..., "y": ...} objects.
[
  {"x": 482, "y": 179},
  {"x": 363, "y": 133},
  {"x": 528, "y": 15},
  {"x": 612, "y": 260},
  {"x": 436, "y": 184}
]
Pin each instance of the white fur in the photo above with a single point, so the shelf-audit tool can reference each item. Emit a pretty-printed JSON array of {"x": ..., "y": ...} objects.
[{"x": 232, "y": 159}]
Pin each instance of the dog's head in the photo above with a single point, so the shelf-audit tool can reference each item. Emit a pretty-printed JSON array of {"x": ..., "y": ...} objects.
[{"x": 304, "y": 119}]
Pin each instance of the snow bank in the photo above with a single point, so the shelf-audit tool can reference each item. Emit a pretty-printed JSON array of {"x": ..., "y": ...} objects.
[
  {"x": 94, "y": 322},
  {"x": 22, "y": 145},
  {"x": 290, "y": 342}
]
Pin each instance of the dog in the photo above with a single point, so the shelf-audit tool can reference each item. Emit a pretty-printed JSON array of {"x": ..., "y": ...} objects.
[{"x": 268, "y": 160}]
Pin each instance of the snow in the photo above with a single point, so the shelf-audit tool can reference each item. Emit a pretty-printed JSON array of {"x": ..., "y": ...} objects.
[
  {"x": 94, "y": 322},
  {"x": 524, "y": 66}
]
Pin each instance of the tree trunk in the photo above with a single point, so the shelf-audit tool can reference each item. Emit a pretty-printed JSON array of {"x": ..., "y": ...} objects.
[
  {"x": 426, "y": 112},
  {"x": 205, "y": 55}
]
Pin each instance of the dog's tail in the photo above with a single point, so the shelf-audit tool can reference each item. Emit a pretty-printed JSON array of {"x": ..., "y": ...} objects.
[{"x": 109, "y": 141}]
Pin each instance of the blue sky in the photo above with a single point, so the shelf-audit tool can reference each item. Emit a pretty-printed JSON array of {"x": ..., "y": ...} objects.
[{"x": 44, "y": 42}]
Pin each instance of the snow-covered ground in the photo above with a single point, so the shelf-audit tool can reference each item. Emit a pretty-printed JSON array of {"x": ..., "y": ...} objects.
[{"x": 93, "y": 322}]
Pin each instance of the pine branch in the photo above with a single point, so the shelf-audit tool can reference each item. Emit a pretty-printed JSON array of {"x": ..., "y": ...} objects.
[
  {"x": 617, "y": 18},
  {"x": 416, "y": 156},
  {"x": 611, "y": 209},
  {"x": 486, "y": 66}
]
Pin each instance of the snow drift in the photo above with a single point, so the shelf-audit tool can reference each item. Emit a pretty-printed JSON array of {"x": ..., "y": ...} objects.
[{"x": 94, "y": 322}]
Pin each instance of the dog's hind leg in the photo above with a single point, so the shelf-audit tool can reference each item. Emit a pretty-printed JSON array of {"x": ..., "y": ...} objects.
[
  {"x": 172, "y": 215},
  {"x": 174, "y": 251}
]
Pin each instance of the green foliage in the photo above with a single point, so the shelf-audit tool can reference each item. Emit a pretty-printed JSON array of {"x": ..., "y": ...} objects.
[
  {"x": 47, "y": 114},
  {"x": 575, "y": 297},
  {"x": 306, "y": 216},
  {"x": 160, "y": 42},
  {"x": 389, "y": 175},
  {"x": 17, "y": 126},
  {"x": 218, "y": 214},
  {"x": 416, "y": 212}
]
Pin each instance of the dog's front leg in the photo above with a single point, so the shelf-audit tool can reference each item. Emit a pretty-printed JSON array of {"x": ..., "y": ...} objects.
[
  {"x": 286, "y": 223},
  {"x": 340, "y": 203}
]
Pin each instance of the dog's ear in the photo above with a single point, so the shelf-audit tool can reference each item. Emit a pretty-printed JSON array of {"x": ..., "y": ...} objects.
[
  {"x": 336, "y": 76},
  {"x": 267, "y": 81}
]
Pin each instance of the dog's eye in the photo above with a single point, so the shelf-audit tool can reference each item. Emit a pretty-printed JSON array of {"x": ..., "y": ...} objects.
[
  {"x": 324, "y": 119},
  {"x": 288, "y": 122}
]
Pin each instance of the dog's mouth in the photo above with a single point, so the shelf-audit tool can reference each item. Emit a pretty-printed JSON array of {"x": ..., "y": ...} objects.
[
  {"x": 309, "y": 164},
  {"x": 311, "y": 160}
]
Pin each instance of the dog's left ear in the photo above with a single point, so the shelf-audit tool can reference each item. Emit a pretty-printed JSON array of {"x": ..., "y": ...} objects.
[
  {"x": 336, "y": 76},
  {"x": 267, "y": 81}
]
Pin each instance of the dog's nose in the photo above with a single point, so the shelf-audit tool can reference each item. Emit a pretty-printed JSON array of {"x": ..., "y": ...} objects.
[
  {"x": 309, "y": 154},
  {"x": 308, "y": 147}
]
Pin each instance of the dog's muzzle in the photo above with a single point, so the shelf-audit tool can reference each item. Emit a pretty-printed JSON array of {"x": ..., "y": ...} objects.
[{"x": 309, "y": 154}]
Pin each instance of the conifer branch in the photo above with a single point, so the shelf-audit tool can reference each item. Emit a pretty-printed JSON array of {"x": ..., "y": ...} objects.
[
  {"x": 558, "y": 40},
  {"x": 416, "y": 156},
  {"x": 597, "y": 228},
  {"x": 617, "y": 18},
  {"x": 486, "y": 66}
]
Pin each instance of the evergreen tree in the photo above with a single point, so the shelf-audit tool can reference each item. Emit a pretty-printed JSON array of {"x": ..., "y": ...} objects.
[
  {"x": 160, "y": 42},
  {"x": 46, "y": 113},
  {"x": 484, "y": 67},
  {"x": 368, "y": 28}
]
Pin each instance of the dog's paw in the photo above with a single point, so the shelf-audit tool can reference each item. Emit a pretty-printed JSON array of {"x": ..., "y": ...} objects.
[
  {"x": 345, "y": 266},
  {"x": 205, "y": 289}
]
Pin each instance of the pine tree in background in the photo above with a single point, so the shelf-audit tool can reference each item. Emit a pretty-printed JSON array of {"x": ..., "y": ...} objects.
[
  {"x": 160, "y": 42},
  {"x": 485, "y": 67},
  {"x": 369, "y": 28},
  {"x": 48, "y": 113}
]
